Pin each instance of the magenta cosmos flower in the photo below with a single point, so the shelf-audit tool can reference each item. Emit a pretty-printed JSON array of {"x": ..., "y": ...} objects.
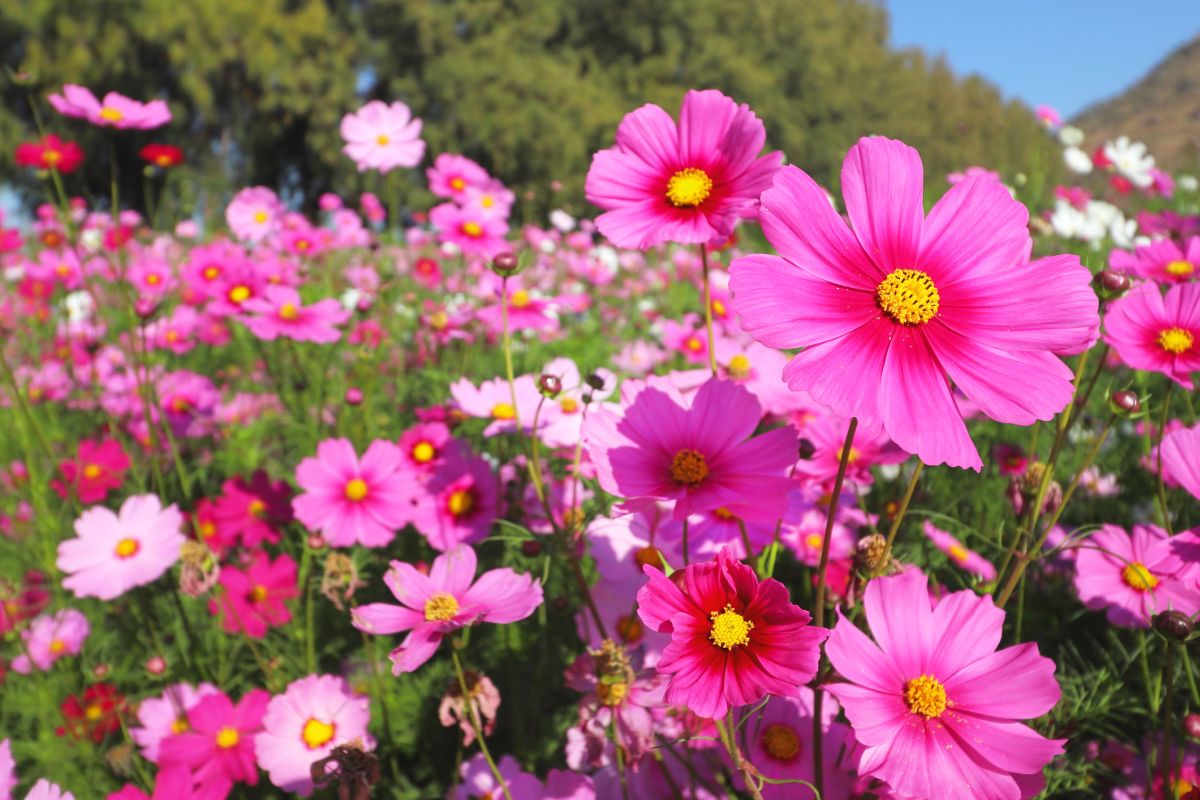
[
  {"x": 1180, "y": 462},
  {"x": 1137, "y": 576},
  {"x": 733, "y": 639},
  {"x": 1163, "y": 261},
  {"x": 253, "y": 601},
  {"x": 453, "y": 175},
  {"x": 316, "y": 714},
  {"x": 279, "y": 312},
  {"x": 114, "y": 111},
  {"x": 382, "y": 137},
  {"x": 692, "y": 453},
  {"x": 351, "y": 500},
  {"x": 934, "y": 705},
  {"x": 175, "y": 783},
  {"x": 963, "y": 558},
  {"x": 112, "y": 553},
  {"x": 893, "y": 311},
  {"x": 443, "y": 601},
  {"x": 1157, "y": 333},
  {"x": 687, "y": 183},
  {"x": 218, "y": 744}
]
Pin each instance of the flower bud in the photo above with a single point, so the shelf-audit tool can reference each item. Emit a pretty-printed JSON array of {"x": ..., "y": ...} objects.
[
  {"x": 531, "y": 548},
  {"x": 1111, "y": 284},
  {"x": 156, "y": 665},
  {"x": 1124, "y": 403},
  {"x": 869, "y": 552},
  {"x": 550, "y": 385},
  {"x": 354, "y": 396},
  {"x": 1174, "y": 626},
  {"x": 595, "y": 381},
  {"x": 505, "y": 264},
  {"x": 1191, "y": 724},
  {"x": 807, "y": 449}
]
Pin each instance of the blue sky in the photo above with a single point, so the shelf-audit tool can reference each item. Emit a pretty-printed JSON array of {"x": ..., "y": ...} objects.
[{"x": 1065, "y": 53}]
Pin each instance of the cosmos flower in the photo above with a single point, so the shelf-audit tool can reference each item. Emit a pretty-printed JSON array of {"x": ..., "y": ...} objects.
[
  {"x": 352, "y": 500},
  {"x": 256, "y": 599},
  {"x": 166, "y": 715},
  {"x": 279, "y": 312},
  {"x": 1180, "y": 464},
  {"x": 894, "y": 309},
  {"x": 963, "y": 558},
  {"x": 446, "y": 599},
  {"x": 688, "y": 182},
  {"x": 301, "y": 726},
  {"x": 734, "y": 639},
  {"x": 779, "y": 744},
  {"x": 218, "y": 745},
  {"x": 163, "y": 156},
  {"x": 95, "y": 714},
  {"x": 470, "y": 229},
  {"x": 1136, "y": 576},
  {"x": 51, "y": 637},
  {"x": 254, "y": 213},
  {"x": 935, "y": 707},
  {"x": 1157, "y": 333},
  {"x": 382, "y": 137},
  {"x": 114, "y": 111},
  {"x": 99, "y": 467},
  {"x": 459, "y": 504},
  {"x": 173, "y": 783},
  {"x": 452, "y": 175},
  {"x": 478, "y": 782},
  {"x": 112, "y": 553},
  {"x": 1162, "y": 261},
  {"x": 50, "y": 152},
  {"x": 253, "y": 510}
]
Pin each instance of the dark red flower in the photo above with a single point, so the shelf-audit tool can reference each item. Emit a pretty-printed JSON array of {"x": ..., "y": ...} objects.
[
  {"x": 164, "y": 156},
  {"x": 50, "y": 152},
  {"x": 94, "y": 715}
]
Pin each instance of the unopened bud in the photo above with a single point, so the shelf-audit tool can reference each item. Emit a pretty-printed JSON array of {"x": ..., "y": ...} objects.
[
  {"x": 1174, "y": 626},
  {"x": 550, "y": 385},
  {"x": 505, "y": 264},
  {"x": 1112, "y": 284},
  {"x": 595, "y": 381},
  {"x": 1125, "y": 403},
  {"x": 354, "y": 396},
  {"x": 1191, "y": 724},
  {"x": 869, "y": 553}
]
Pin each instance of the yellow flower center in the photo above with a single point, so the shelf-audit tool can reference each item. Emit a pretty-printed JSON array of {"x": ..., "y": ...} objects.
[
  {"x": 958, "y": 553},
  {"x": 1176, "y": 340},
  {"x": 1180, "y": 268},
  {"x": 648, "y": 555},
  {"x": 423, "y": 452},
  {"x": 729, "y": 628},
  {"x": 739, "y": 366},
  {"x": 356, "y": 489},
  {"x": 127, "y": 547},
  {"x": 180, "y": 725},
  {"x": 317, "y": 734},
  {"x": 689, "y": 188},
  {"x": 163, "y": 160},
  {"x": 780, "y": 742},
  {"x": 814, "y": 541},
  {"x": 153, "y": 279},
  {"x": 260, "y": 217},
  {"x": 57, "y": 646},
  {"x": 288, "y": 311},
  {"x": 382, "y": 140},
  {"x": 688, "y": 467},
  {"x": 440, "y": 607},
  {"x": 472, "y": 229},
  {"x": 208, "y": 529},
  {"x": 258, "y": 594},
  {"x": 457, "y": 184},
  {"x": 908, "y": 296},
  {"x": 519, "y": 299},
  {"x": 109, "y": 114},
  {"x": 460, "y": 502},
  {"x": 438, "y": 320},
  {"x": 239, "y": 294},
  {"x": 256, "y": 508},
  {"x": 94, "y": 712},
  {"x": 925, "y": 696},
  {"x": 172, "y": 336},
  {"x": 612, "y": 694},
  {"x": 694, "y": 344},
  {"x": 1138, "y": 577},
  {"x": 503, "y": 411},
  {"x": 227, "y": 738},
  {"x": 211, "y": 273},
  {"x": 724, "y": 513},
  {"x": 718, "y": 308},
  {"x": 52, "y": 157},
  {"x": 92, "y": 471},
  {"x": 569, "y": 405}
]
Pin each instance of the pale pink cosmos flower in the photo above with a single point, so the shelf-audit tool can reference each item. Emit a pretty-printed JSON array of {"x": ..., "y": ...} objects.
[
  {"x": 114, "y": 111},
  {"x": 963, "y": 558},
  {"x": 352, "y": 500},
  {"x": 302, "y": 726},
  {"x": 45, "y": 790},
  {"x": 166, "y": 715},
  {"x": 1181, "y": 458},
  {"x": 1136, "y": 576},
  {"x": 493, "y": 399},
  {"x": 51, "y": 637},
  {"x": 8, "y": 770},
  {"x": 254, "y": 213},
  {"x": 382, "y": 137},
  {"x": 478, "y": 782},
  {"x": 483, "y": 698},
  {"x": 936, "y": 708},
  {"x": 113, "y": 553},
  {"x": 279, "y": 312},
  {"x": 445, "y": 600}
]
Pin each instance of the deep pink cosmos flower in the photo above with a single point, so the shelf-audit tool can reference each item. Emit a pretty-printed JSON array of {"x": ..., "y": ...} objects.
[
  {"x": 51, "y": 637},
  {"x": 352, "y": 500},
  {"x": 279, "y": 311},
  {"x": 218, "y": 745},
  {"x": 253, "y": 510},
  {"x": 734, "y": 639},
  {"x": 166, "y": 715},
  {"x": 893, "y": 311},
  {"x": 1137, "y": 576},
  {"x": 174, "y": 783},
  {"x": 695, "y": 454},
  {"x": 1162, "y": 261},
  {"x": 828, "y": 433},
  {"x": 254, "y": 600},
  {"x": 99, "y": 468},
  {"x": 114, "y": 111},
  {"x": 963, "y": 558},
  {"x": 459, "y": 503},
  {"x": 49, "y": 153},
  {"x": 934, "y": 705},
  {"x": 687, "y": 183},
  {"x": 470, "y": 229},
  {"x": 779, "y": 744},
  {"x": 301, "y": 726},
  {"x": 113, "y": 553},
  {"x": 382, "y": 137},
  {"x": 1157, "y": 333},
  {"x": 451, "y": 175},
  {"x": 443, "y": 601},
  {"x": 1180, "y": 459}
]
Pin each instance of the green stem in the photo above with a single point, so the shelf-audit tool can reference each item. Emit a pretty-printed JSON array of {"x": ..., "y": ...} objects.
[
  {"x": 1169, "y": 680},
  {"x": 900, "y": 512},
  {"x": 473, "y": 715},
  {"x": 708, "y": 323},
  {"x": 1162, "y": 489}
]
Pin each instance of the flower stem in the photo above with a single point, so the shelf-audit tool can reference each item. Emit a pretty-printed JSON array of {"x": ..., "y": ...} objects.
[
  {"x": 708, "y": 324},
  {"x": 685, "y": 542},
  {"x": 1162, "y": 490},
  {"x": 475, "y": 723},
  {"x": 1169, "y": 680},
  {"x": 900, "y": 512}
]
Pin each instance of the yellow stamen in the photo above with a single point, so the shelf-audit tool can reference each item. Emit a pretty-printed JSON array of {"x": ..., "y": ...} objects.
[
  {"x": 127, "y": 548},
  {"x": 256, "y": 508},
  {"x": 739, "y": 366},
  {"x": 260, "y": 217},
  {"x": 356, "y": 489},
  {"x": 94, "y": 712},
  {"x": 908, "y": 296},
  {"x": 503, "y": 411},
  {"x": 648, "y": 555},
  {"x": 519, "y": 299},
  {"x": 317, "y": 733},
  {"x": 814, "y": 541},
  {"x": 57, "y": 646},
  {"x": 460, "y": 502},
  {"x": 612, "y": 694},
  {"x": 153, "y": 279},
  {"x": 729, "y": 628},
  {"x": 1180, "y": 269},
  {"x": 92, "y": 471},
  {"x": 440, "y": 607},
  {"x": 228, "y": 738},
  {"x": 781, "y": 742},
  {"x": 109, "y": 114},
  {"x": 239, "y": 294},
  {"x": 288, "y": 311},
  {"x": 258, "y": 594},
  {"x": 457, "y": 184},
  {"x": 423, "y": 452},
  {"x": 382, "y": 140},
  {"x": 1176, "y": 340},
  {"x": 926, "y": 696},
  {"x": 472, "y": 229},
  {"x": 688, "y": 188},
  {"x": 439, "y": 320},
  {"x": 689, "y": 467},
  {"x": 180, "y": 725},
  {"x": 958, "y": 553},
  {"x": 569, "y": 405},
  {"x": 1138, "y": 577}
]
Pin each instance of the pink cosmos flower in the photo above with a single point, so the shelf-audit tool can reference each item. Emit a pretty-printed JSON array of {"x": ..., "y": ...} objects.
[
  {"x": 828, "y": 433},
  {"x": 382, "y": 137},
  {"x": 279, "y": 311},
  {"x": 99, "y": 468},
  {"x": 1162, "y": 261},
  {"x": 45, "y": 790},
  {"x": 482, "y": 699},
  {"x": 49, "y": 638},
  {"x": 443, "y": 601},
  {"x": 424, "y": 447},
  {"x": 1137, "y": 576},
  {"x": 894, "y": 310},
  {"x": 779, "y": 744},
  {"x": 734, "y": 639},
  {"x": 459, "y": 504},
  {"x": 695, "y": 454},
  {"x": 934, "y": 705},
  {"x": 471, "y": 229},
  {"x": 218, "y": 745},
  {"x": 687, "y": 183},
  {"x": 166, "y": 715},
  {"x": 451, "y": 175},
  {"x": 1179, "y": 457},
  {"x": 253, "y": 510},
  {"x": 174, "y": 783},
  {"x": 1156, "y": 333},
  {"x": 254, "y": 600},
  {"x": 493, "y": 400},
  {"x": 114, "y": 111},
  {"x": 254, "y": 213},
  {"x": 965, "y": 559},
  {"x": 113, "y": 553},
  {"x": 352, "y": 500},
  {"x": 301, "y": 726},
  {"x": 8, "y": 770}
]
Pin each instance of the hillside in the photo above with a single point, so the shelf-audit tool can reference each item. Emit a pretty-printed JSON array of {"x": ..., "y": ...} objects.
[{"x": 1162, "y": 109}]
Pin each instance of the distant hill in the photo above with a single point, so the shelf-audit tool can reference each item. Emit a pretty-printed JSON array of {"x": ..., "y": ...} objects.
[{"x": 1162, "y": 110}]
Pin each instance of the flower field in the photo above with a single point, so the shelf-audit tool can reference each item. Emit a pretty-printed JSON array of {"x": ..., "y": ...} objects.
[{"x": 733, "y": 486}]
